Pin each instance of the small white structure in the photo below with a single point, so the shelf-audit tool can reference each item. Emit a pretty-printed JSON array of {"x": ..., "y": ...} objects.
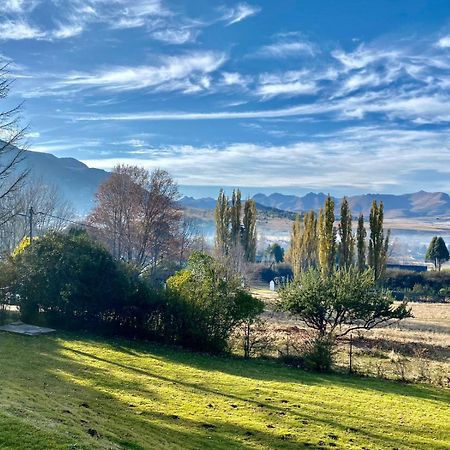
[{"x": 272, "y": 285}]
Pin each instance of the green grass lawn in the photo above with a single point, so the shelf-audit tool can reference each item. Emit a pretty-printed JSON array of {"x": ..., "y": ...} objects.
[{"x": 74, "y": 392}]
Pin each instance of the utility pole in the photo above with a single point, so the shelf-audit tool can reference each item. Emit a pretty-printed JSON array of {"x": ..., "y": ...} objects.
[{"x": 31, "y": 212}]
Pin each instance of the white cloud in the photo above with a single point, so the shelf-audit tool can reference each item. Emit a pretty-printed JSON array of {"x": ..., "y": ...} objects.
[
  {"x": 290, "y": 83},
  {"x": 186, "y": 72},
  {"x": 67, "y": 31},
  {"x": 33, "y": 134},
  {"x": 289, "y": 89},
  {"x": 235, "y": 79},
  {"x": 18, "y": 6},
  {"x": 364, "y": 56},
  {"x": 239, "y": 13},
  {"x": 286, "y": 49},
  {"x": 19, "y": 30},
  {"x": 444, "y": 42},
  {"x": 175, "y": 35},
  {"x": 369, "y": 159}
]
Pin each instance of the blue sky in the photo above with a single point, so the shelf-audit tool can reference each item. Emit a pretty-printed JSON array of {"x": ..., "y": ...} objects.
[{"x": 289, "y": 96}]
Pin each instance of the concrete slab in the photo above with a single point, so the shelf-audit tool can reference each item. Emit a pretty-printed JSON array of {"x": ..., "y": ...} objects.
[{"x": 23, "y": 328}]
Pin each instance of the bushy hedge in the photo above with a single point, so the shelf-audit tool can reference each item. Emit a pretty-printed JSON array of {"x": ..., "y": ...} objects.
[
  {"x": 267, "y": 274},
  {"x": 419, "y": 285},
  {"x": 70, "y": 281}
]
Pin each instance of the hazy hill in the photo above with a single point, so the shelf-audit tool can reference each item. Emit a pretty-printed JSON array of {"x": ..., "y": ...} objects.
[{"x": 76, "y": 181}]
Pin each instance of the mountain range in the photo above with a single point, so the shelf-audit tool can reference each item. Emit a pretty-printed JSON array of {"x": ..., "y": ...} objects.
[{"x": 78, "y": 184}]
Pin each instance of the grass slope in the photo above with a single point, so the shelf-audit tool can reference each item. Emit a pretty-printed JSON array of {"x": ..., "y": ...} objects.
[{"x": 71, "y": 392}]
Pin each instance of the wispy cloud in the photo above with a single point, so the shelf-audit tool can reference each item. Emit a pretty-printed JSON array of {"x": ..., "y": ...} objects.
[
  {"x": 175, "y": 35},
  {"x": 238, "y": 13},
  {"x": 187, "y": 72},
  {"x": 290, "y": 83},
  {"x": 391, "y": 156},
  {"x": 285, "y": 49},
  {"x": 72, "y": 17},
  {"x": 67, "y": 31},
  {"x": 19, "y": 6},
  {"x": 19, "y": 30}
]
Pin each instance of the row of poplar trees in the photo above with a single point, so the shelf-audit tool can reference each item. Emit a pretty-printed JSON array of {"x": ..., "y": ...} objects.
[
  {"x": 317, "y": 243},
  {"x": 235, "y": 233}
]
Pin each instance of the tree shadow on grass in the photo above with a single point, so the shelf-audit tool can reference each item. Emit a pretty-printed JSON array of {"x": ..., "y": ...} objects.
[
  {"x": 336, "y": 418},
  {"x": 90, "y": 394},
  {"x": 46, "y": 394},
  {"x": 272, "y": 370}
]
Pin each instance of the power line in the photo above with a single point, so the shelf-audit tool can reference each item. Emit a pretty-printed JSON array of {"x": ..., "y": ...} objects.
[{"x": 63, "y": 219}]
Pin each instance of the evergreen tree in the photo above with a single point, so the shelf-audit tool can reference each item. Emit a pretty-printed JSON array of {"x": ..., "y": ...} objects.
[
  {"x": 295, "y": 250},
  {"x": 327, "y": 237},
  {"x": 249, "y": 235},
  {"x": 275, "y": 253},
  {"x": 222, "y": 219},
  {"x": 378, "y": 242},
  {"x": 361, "y": 235},
  {"x": 437, "y": 252},
  {"x": 346, "y": 244}
]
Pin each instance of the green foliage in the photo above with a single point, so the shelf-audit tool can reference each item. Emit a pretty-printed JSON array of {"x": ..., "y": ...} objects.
[
  {"x": 327, "y": 237},
  {"x": 337, "y": 304},
  {"x": 70, "y": 278},
  {"x": 361, "y": 235},
  {"x": 212, "y": 302},
  {"x": 275, "y": 252},
  {"x": 295, "y": 249},
  {"x": 378, "y": 241},
  {"x": 222, "y": 220},
  {"x": 303, "y": 251},
  {"x": 346, "y": 241},
  {"x": 235, "y": 214},
  {"x": 233, "y": 236},
  {"x": 437, "y": 252},
  {"x": 432, "y": 285},
  {"x": 248, "y": 232}
]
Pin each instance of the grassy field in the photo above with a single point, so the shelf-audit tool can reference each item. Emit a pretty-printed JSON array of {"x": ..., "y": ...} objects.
[{"x": 71, "y": 392}]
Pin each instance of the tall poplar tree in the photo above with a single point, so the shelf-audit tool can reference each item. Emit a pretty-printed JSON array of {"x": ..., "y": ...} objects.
[
  {"x": 361, "y": 235},
  {"x": 327, "y": 237},
  {"x": 310, "y": 241},
  {"x": 249, "y": 235},
  {"x": 346, "y": 240},
  {"x": 295, "y": 250},
  {"x": 235, "y": 217},
  {"x": 378, "y": 241},
  {"x": 222, "y": 219}
]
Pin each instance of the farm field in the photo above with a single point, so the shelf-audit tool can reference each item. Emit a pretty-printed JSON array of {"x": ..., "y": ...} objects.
[{"x": 65, "y": 391}]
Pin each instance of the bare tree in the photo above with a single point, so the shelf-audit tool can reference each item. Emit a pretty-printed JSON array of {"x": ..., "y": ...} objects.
[
  {"x": 51, "y": 212},
  {"x": 137, "y": 216},
  {"x": 188, "y": 237},
  {"x": 11, "y": 135}
]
